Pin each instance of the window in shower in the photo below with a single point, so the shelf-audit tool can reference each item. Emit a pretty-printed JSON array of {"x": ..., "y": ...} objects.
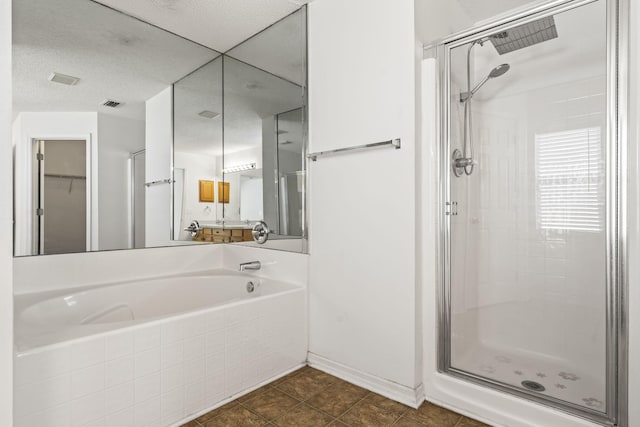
[
  {"x": 570, "y": 180},
  {"x": 527, "y": 290}
]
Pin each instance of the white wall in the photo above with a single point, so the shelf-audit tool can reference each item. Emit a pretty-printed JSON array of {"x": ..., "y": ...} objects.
[
  {"x": 29, "y": 126},
  {"x": 68, "y": 271},
  {"x": 159, "y": 143},
  {"x": 6, "y": 229},
  {"x": 436, "y": 19},
  {"x": 119, "y": 137},
  {"x": 243, "y": 157},
  {"x": 362, "y": 233}
]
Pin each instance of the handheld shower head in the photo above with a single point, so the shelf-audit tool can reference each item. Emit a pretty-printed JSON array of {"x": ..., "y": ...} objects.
[
  {"x": 496, "y": 72},
  {"x": 499, "y": 70}
]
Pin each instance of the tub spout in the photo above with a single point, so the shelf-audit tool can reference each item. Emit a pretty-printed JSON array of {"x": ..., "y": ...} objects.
[{"x": 252, "y": 265}]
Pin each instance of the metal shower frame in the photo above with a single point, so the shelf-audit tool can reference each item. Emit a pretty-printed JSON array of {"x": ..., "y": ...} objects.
[{"x": 616, "y": 413}]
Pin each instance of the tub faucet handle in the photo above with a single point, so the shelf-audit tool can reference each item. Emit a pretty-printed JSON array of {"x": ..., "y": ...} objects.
[
  {"x": 251, "y": 265},
  {"x": 260, "y": 232}
]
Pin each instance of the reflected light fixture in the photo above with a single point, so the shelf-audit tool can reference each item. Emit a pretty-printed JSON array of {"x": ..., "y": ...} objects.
[{"x": 238, "y": 168}]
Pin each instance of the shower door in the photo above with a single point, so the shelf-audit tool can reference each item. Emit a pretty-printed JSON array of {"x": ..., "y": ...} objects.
[{"x": 529, "y": 156}]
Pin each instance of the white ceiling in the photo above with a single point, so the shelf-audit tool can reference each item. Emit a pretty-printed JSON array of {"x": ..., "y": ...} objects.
[
  {"x": 280, "y": 49},
  {"x": 251, "y": 95},
  {"x": 218, "y": 24},
  {"x": 114, "y": 56},
  {"x": 200, "y": 91},
  {"x": 480, "y": 10},
  {"x": 121, "y": 58},
  {"x": 436, "y": 19}
]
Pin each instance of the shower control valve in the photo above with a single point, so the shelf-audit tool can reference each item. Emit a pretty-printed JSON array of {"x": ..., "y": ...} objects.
[{"x": 464, "y": 162}]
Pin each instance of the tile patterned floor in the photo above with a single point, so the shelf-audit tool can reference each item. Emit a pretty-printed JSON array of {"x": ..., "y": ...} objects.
[{"x": 308, "y": 397}]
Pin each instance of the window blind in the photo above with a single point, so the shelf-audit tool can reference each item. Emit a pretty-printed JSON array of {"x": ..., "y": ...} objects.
[{"x": 570, "y": 180}]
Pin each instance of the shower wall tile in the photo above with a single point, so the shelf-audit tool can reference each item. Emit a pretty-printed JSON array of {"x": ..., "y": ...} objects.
[
  {"x": 499, "y": 252},
  {"x": 164, "y": 372}
]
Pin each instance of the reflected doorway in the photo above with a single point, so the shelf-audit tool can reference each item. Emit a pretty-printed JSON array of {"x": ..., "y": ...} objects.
[{"x": 60, "y": 197}]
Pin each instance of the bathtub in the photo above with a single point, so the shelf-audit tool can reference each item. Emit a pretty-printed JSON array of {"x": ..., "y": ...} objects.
[{"x": 154, "y": 352}]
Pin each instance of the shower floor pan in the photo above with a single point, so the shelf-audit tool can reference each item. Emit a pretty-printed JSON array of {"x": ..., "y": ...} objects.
[{"x": 562, "y": 381}]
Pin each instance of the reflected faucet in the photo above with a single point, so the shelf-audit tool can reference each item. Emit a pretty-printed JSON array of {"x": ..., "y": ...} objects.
[{"x": 251, "y": 265}]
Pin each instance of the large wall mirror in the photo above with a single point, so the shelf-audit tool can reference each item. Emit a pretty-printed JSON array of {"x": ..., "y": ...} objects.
[
  {"x": 125, "y": 133},
  {"x": 261, "y": 173}
]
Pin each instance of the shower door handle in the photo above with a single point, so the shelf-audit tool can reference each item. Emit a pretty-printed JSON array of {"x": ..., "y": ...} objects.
[{"x": 451, "y": 208}]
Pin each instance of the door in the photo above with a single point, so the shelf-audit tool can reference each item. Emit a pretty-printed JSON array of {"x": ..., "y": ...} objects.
[
  {"x": 531, "y": 209},
  {"x": 61, "y": 196}
]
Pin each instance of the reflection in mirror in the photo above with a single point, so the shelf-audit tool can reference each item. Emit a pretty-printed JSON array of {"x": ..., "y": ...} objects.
[
  {"x": 265, "y": 125},
  {"x": 197, "y": 152},
  {"x": 291, "y": 174},
  {"x": 254, "y": 103},
  {"x": 92, "y": 93}
]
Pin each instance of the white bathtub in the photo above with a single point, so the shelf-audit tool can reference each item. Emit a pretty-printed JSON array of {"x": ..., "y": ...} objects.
[
  {"x": 44, "y": 319},
  {"x": 153, "y": 352}
]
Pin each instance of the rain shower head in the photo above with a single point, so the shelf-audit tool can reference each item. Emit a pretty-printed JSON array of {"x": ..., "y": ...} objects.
[{"x": 525, "y": 35}]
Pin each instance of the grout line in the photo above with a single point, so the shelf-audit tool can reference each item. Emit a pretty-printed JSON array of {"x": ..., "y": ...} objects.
[
  {"x": 401, "y": 416},
  {"x": 286, "y": 413},
  {"x": 352, "y": 406},
  {"x": 300, "y": 402}
]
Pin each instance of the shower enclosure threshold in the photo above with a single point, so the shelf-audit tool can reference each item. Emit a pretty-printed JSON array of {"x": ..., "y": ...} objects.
[{"x": 561, "y": 380}]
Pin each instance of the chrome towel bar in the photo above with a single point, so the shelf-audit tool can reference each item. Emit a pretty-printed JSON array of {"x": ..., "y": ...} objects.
[
  {"x": 395, "y": 143},
  {"x": 161, "y": 181}
]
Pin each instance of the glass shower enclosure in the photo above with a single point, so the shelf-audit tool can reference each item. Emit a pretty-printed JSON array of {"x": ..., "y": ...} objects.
[{"x": 531, "y": 278}]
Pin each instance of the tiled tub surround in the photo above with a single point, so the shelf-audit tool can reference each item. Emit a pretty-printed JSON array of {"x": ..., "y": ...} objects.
[{"x": 165, "y": 371}]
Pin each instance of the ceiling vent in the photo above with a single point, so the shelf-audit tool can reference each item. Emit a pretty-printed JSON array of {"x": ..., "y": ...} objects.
[
  {"x": 111, "y": 103},
  {"x": 208, "y": 114},
  {"x": 63, "y": 79}
]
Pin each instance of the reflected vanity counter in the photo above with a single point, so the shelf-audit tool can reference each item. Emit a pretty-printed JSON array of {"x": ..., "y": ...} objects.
[
  {"x": 218, "y": 233},
  {"x": 153, "y": 352}
]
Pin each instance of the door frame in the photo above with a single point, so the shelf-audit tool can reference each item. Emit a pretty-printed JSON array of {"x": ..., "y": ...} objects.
[
  {"x": 91, "y": 188},
  {"x": 616, "y": 164}
]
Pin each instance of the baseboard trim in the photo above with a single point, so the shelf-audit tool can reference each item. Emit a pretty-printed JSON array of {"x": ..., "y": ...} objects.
[{"x": 392, "y": 390}]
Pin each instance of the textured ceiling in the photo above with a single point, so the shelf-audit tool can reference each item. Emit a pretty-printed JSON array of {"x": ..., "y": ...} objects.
[
  {"x": 121, "y": 58},
  {"x": 251, "y": 95},
  {"x": 114, "y": 56},
  {"x": 280, "y": 49},
  {"x": 200, "y": 91},
  {"x": 218, "y": 24}
]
